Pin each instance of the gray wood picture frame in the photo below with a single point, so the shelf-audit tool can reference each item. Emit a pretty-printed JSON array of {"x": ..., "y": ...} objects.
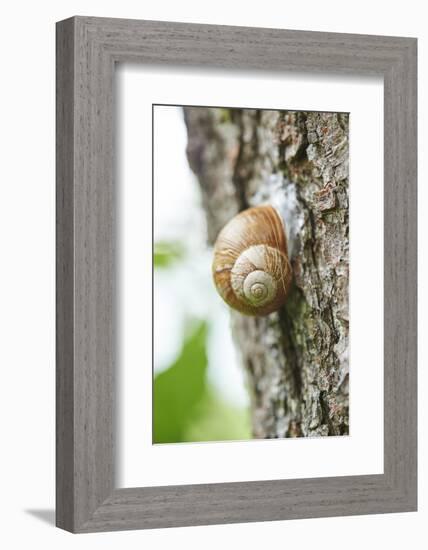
[{"x": 87, "y": 51}]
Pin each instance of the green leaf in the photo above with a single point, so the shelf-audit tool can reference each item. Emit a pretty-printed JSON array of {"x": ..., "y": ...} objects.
[{"x": 180, "y": 388}]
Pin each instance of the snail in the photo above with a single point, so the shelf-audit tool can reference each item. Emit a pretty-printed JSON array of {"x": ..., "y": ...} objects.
[{"x": 251, "y": 268}]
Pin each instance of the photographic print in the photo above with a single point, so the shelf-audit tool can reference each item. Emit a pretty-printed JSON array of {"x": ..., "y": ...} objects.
[
  {"x": 250, "y": 274},
  {"x": 203, "y": 277}
]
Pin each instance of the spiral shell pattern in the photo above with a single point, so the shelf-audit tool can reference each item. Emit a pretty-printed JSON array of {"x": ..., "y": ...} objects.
[{"x": 251, "y": 269}]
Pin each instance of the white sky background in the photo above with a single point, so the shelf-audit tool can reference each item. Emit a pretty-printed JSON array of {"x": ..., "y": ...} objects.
[{"x": 186, "y": 290}]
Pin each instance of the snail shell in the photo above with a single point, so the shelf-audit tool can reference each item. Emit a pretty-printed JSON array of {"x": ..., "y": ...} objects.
[{"x": 251, "y": 269}]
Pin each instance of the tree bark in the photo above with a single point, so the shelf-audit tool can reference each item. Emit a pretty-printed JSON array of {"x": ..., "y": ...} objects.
[{"x": 296, "y": 358}]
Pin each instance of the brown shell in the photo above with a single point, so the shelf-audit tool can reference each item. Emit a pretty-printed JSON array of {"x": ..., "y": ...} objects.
[{"x": 237, "y": 254}]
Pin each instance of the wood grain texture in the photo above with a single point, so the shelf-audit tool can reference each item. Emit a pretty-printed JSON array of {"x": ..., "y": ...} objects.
[
  {"x": 87, "y": 49},
  {"x": 64, "y": 277}
]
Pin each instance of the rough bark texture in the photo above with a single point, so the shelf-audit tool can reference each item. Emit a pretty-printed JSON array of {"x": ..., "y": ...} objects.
[{"x": 297, "y": 358}]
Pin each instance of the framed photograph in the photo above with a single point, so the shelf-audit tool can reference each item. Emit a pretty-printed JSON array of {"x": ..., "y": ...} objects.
[{"x": 236, "y": 274}]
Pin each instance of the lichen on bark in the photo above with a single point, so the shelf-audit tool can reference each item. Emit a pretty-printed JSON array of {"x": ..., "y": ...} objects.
[{"x": 296, "y": 359}]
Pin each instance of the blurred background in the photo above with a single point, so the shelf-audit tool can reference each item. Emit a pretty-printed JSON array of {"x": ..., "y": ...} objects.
[{"x": 199, "y": 389}]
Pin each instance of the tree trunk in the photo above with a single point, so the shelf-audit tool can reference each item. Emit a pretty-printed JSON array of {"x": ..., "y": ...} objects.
[{"x": 296, "y": 358}]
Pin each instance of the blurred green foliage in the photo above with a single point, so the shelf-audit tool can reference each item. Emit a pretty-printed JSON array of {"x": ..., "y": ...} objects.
[
  {"x": 166, "y": 254},
  {"x": 186, "y": 407},
  {"x": 218, "y": 420},
  {"x": 179, "y": 389}
]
